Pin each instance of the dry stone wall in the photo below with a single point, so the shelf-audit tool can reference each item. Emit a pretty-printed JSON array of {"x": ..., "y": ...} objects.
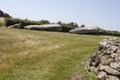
[{"x": 105, "y": 63}]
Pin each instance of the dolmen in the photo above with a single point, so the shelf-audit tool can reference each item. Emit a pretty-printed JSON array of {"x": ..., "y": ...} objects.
[
  {"x": 18, "y": 26},
  {"x": 84, "y": 30},
  {"x": 45, "y": 27}
]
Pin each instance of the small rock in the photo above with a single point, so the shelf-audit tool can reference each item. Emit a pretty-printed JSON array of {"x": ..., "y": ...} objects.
[
  {"x": 115, "y": 65},
  {"x": 112, "y": 78},
  {"x": 102, "y": 75},
  {"x": 117, "y": 58},
  {"x": 109, "y": 70},
  {"x": 104, "y": 60},
  {"x": 113, "y": 55},
  {"x": 95, "y": 61},
  {"x": 94, "y": 69},
  {"x": 80, "y": 77},
  {"x": 113, "y": 48},
  {"x": 118, "y": 51}
]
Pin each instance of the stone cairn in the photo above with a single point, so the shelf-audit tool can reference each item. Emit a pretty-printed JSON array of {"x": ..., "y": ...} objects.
[{"x": 105, "y": 63}]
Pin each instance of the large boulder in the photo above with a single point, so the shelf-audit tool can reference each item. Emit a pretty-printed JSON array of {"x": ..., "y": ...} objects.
[
  {"x": 45, "y": 27},
  {"x": 84, "y": 30},
  {"x": 106, "y": 60},
  {"x": 18, "y": 26}
]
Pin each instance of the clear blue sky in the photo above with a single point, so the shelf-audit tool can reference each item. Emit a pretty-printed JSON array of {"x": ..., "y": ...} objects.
[{"x": 103, "y": 13}]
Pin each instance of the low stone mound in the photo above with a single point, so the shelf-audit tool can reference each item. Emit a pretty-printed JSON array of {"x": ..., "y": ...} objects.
[
  {"x": 84, "y": 30},
  {"x": 18, "y": 26},
  {"x": 106, "y": 61},
  {"x": 45, "y": 27}
]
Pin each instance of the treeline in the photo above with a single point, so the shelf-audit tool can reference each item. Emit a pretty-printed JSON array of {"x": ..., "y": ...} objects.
[
  {"x": 65, "y": 26},
  {"x": 108, "y": 32},
  {"x": 25, "y": 22}
]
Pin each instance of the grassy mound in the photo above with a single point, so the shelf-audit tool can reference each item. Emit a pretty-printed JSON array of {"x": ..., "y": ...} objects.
[{"x": 39, "y": 55}]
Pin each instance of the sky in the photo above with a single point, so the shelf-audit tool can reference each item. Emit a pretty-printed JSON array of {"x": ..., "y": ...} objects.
[{"x": 101, "y": 13}]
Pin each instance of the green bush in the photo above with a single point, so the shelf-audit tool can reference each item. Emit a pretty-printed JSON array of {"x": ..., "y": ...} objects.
[
  {"x": 25, "y": 22},
  {"x": 108, "y": 32},
  {"x": 66, "y": 28}
]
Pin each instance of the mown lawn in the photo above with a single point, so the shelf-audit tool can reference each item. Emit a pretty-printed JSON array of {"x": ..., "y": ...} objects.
[{"x": 40, "y": 55}]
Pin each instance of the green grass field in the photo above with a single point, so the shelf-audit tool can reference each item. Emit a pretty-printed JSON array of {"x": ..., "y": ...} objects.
[{"x": 40, "y": 55}]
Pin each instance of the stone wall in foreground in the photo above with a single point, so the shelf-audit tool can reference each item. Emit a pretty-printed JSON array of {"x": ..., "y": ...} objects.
[{"x": 105, "y": 63}]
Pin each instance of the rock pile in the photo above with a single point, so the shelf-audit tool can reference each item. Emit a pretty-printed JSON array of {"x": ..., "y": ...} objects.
[
  {"x": 106, "y": 61},
  {"x": 2, "y": 14}
]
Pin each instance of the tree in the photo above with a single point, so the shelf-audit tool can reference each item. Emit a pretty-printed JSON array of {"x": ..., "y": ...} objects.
[
  {"x": 59, "y": 22},
  {"x": 44, "y": 22},
  {"x": 82, "y": 25},
  {"x": 76, "y": 25}
]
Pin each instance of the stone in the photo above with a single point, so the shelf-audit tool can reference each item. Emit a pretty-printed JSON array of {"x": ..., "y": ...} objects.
[
  {"x": 102, "y": 75},
  {"x": 95, "y": 61},
  {"x": 113, "y": 55},
  {"x": 117, "y": 58},
  {"x": 115, "y": 65},
  {"x": 84, "y": 30},
  {"x": 113, "y": 48},
  {"x": 112, "y": 78},
  {"x": 94, "y": 69},
  {"x": 18, "y": 26},
  {"x": 109, "y": 70},
  {"x": 45, "y": 27},
  {"x": 104, "y": 60},
  {"x": 118, "y": 51}
]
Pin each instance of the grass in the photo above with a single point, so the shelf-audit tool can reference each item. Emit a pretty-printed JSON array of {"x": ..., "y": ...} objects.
[
  {"x": 40, "y": 55},
  {"x": 2, "y": 21}
]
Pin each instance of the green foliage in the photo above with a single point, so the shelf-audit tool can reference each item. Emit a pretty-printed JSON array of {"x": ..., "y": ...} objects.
[
  {"x": 66, "y": 27},
  {"x": 12, "y": 21},
  {"x": 71, "y": 24},
  {"x": 44, "y": 22},
  {"x": 108, "y": 32},
  {"x": 82, "y": 25}
]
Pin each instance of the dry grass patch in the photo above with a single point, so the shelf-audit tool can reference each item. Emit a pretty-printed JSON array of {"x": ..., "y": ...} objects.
[{"x": 2, "y": 21}]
